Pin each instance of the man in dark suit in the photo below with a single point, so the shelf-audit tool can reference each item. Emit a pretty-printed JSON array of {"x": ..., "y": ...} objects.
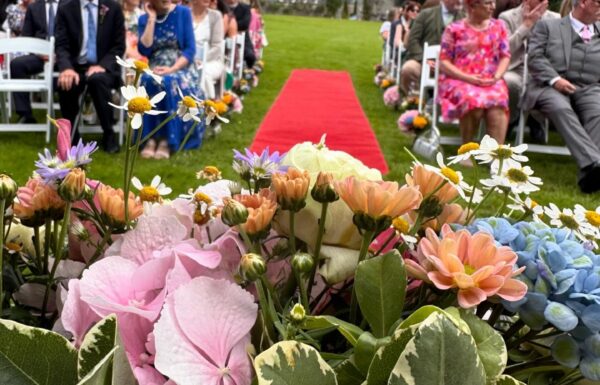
[
  {"x": 38, "y": 23},
  {"x": 565, "y": 83},
  {"x": 427, "y": 27},
  {"x": 89, "y": 34},
  {"x": 242, "y": 16}
]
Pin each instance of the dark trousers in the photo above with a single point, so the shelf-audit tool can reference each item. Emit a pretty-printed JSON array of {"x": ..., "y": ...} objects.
[
  {"x": 249, "y": 55},
  {"x": 99, "y": 86},
  {"x": 24, "y": 67}
]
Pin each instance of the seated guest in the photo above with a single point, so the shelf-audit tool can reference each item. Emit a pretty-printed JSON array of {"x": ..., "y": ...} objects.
[
  {"x": 427, "y": 27},
  {"x": 15, "y": 15},
  {"x": 38, "y": 23},
  {"x": 505, "y": 5},
  {"x": 384, "y": 30},
  {"x": 243, "y": 15},
  {"x": 89, "y": 34},
  {"x": 565, "y": 7},
  {"x": 132, "y": 13},
  {"x": 402, "y": 26},
  {"x": 520, "y": 22},
  {"x": 208, "y": 28},
  {"x": 473, "y": 58},
  {"x": 230, "y": 28},
  {"x": 564, "y": 84},
  {"x": 257, "y": 28},
  {"x": 167, "y": 40}
]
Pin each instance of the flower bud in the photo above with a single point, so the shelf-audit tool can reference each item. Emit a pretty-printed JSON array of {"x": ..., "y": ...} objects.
[
  {"x": 291, "y": 188},
  {"x": 234, "y": 213},
  {"x": 8, "y": 188},
  {"x": 431, "y": 207},
  {"x": 323, "y": 191},
  {"x": 302, "y": 262},
  {"x": 72, "y": 188},
  {"x": 298, "y": 313},
  {"x": 252, "y": 266}
]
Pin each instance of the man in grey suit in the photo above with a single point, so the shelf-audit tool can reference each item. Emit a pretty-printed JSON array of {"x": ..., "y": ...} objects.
[
  {"x": 564, "y": 85},
  {"x": 428, "y": 27},
  {"x": 520, "y": 22}
]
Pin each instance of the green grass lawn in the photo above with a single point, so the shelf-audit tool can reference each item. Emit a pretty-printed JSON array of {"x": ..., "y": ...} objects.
[{"x": 295, "y": 42}]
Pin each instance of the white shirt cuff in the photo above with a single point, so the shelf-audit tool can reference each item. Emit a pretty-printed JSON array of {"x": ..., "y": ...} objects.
[{"x": 554, "y": 80}]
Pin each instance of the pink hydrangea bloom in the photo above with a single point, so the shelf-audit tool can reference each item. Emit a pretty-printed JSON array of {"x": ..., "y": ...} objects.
[{"x": 191, "y": 348}]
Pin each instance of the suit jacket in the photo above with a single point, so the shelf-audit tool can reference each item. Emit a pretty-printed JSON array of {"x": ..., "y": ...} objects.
[
  {"x": 242, "y": 16},
  {"x": 426, "y": 27},
  {"x": 513, "y": 18},
  {"x": 110, "y": 38},
  {"x": 34, "y": 24},
  {"x": 549, "y": 55}
]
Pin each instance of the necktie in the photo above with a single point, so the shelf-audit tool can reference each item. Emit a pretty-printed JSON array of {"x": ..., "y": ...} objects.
[
  {"x": 91, "y": 28},
  {"x": 50, "y": 24},
  {"x": 586, "y": 34}
]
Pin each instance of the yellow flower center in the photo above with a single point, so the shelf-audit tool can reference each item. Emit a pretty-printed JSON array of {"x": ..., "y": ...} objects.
[
  {"x": 140, "y": 65},
  {"x": 467, "y": 147},
  {"x": 534, "y": 203},
  {"x": 14, "y": 246},
  {"x": 200, "y": 197},
  {"x": 189, "y": 102},
  {"x": 401, "y": 225},
  {"x": 593, "y": 218},
  {"x": 149, "y": 194},
  {"x": 211, "y": 170},
  {"x": 516, "y": 175},
  {"x": 139, "y": 105},
  {"x": 568, "y": 221},
  {"x": 210, "y": 104},
  {"x": 469, "y": 269},
  {"x": 451, "y": 175},
  {"x": 504, "y": 152}
]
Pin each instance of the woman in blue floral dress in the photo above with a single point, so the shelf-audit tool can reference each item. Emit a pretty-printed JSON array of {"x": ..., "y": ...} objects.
[{"x": 167, "y": 40}]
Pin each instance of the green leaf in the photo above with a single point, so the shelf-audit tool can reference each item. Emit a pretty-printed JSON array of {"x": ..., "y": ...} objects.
[
  {"x": 490, "y": 345},
  {"x": 565, "y": 351},
  {"x": 380, "y": 285},
  {"x": 365, "y": 350},
  {"x": 102, "y": 353},
  {"x": 348, "y": 374},
  {"x": 33, "y": 356},
  {"x": 386, "y": 357},
  {"x": 348, "y": 330},
  {"x": 293, "y": 363},
  {"x": 508, "y": 380},
  {"x": 439, "y": 353},
  {"x": 425, "y": 311}
]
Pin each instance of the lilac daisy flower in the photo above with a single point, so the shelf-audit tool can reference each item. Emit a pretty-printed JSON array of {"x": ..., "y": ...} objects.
[
  {"x": 255, "y": 166},
  {"x": 52, "y": 169}
]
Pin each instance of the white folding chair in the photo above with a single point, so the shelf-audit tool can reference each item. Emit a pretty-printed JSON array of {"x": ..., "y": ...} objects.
[
  {"x": 532, "y": 147},
  {"x": 43, "y": 84},
  {"x": 229, "y": 54},
  {"x": 385, "y": 55},
  {"x": 239, "y": 46}
]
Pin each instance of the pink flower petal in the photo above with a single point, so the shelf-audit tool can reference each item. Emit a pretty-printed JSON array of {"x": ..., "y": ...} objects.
[
  {"x": 470, "y": 297},
  {"x": 77, "y": 317},
  {"x": 63, "y": 138},
  {"x": 512, "y": 290}
]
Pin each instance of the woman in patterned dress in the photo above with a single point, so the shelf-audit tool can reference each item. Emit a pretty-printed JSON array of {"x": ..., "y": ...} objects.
[
  {"x": 167, "y": 40},
  {"x": 474, "y": 55}
]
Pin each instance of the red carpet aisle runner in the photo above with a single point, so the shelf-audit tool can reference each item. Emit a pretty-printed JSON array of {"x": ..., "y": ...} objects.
[{"x": 316, "y": 102}]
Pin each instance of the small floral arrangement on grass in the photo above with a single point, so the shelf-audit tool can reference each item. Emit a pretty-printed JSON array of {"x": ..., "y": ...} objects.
[
  {"x": 259, "y": 66},
  {"x": 410, "y": 102},
  {"x": 412, "y": 122},
  {"x": 242, "y": 87},
  {"x": 307, "y": 265},
  {"x": 232, "y": 101},
  {"x": 379, "y": 77},
  {"x": 391, "y": 96}
]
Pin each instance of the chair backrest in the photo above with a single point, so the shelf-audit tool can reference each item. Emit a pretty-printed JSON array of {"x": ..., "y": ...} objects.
[
  {"x": 240, "y": 44},
  {"x": 32, "y": 45},
  {"x": 229, "y": 48},
  {"x": 430, "y": 52}
]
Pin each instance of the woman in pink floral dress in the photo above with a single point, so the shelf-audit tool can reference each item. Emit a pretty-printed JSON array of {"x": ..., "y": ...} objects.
[{"x": 474, "y": 55}]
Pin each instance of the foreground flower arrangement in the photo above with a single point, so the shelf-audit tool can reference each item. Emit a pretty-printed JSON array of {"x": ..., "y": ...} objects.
[{"x": 308, "y": 269}]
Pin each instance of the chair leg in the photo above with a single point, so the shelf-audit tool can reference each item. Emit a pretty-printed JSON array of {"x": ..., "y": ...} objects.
[
  {"x": 3, "y": 107},
  {"x": 520, "y": 128}
]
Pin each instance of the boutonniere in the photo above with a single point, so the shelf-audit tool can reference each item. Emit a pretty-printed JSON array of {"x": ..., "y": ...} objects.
[{"x": 103, "y": 11}]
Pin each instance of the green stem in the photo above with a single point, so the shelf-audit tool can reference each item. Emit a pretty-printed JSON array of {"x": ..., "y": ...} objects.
[
  {"x": 58, "y": 255},
  {"x": 364, "y": 249},
  {"x": 417, "y": 225},
  {"x": 126, "y": 170},
  {"x": 513, "y": 329},
  {"x": 99, "y": 249},
  {"x": 504, "y": 201},
  {"x": 264, "y": 309},
  {"x": 317, "y": 252},
  {"x": 187, "y": 136},
  {"x": 475, "y": 186},
  {"x": 2, "y": 207},
  {"x": 134, "y": 153},
  {"x": 472, "y": 215},
  {"x": 272, "y": 293},
  {"x": 47, "y": 238},
  {"x": 36, "y": 245},
  {"x": 245, "y": 237},
  {"x": 292, "y": 233},
  {"x": 155, "y": 130}
]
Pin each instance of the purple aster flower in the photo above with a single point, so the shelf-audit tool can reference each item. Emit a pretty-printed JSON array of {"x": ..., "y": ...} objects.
[
  {"x": 52, "y": 169},
  {"x": 255, "y": 166}
]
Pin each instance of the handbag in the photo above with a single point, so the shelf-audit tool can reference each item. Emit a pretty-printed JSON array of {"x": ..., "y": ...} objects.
[{"x": 427, "y": 144}]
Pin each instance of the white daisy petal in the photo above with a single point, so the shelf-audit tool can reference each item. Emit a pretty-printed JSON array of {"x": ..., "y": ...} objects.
[
  {"x": 157, "y": 98},
  {"x": 128, "y": 92},
  {"x": 155, "y": 112},
  {"x": 119, "y": 107},
  {"x": 136, "y": 121},
  {"x": 155, "y": 181},
  {"x": 135, "y": 181}
]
